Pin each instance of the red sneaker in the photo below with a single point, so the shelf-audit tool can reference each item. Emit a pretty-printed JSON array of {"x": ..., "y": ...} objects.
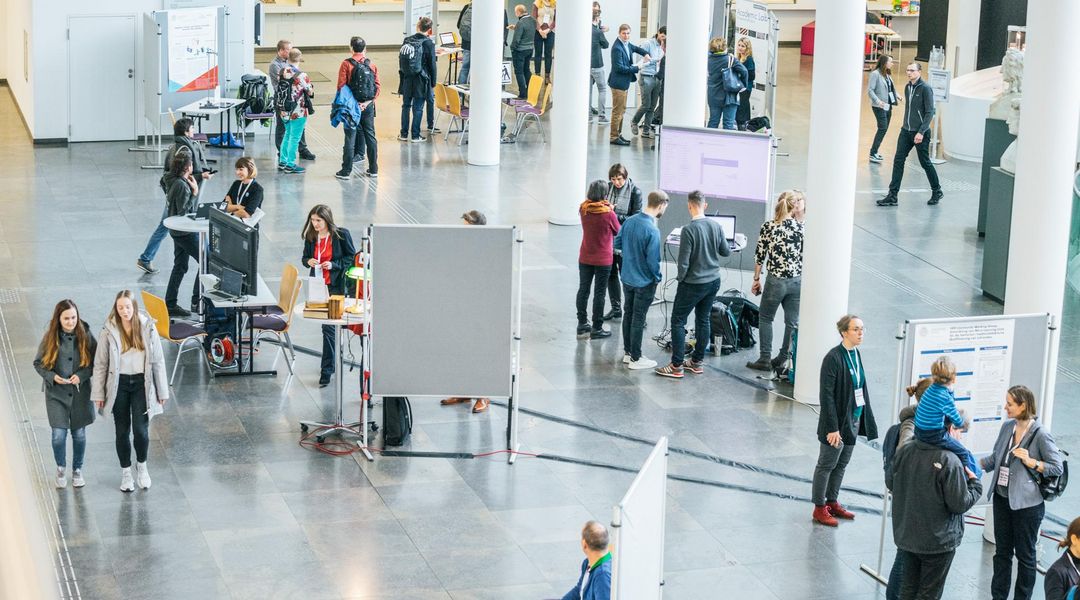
[
  {"x": 839, "y": 511},
  {"x": 822, "y": 515}
]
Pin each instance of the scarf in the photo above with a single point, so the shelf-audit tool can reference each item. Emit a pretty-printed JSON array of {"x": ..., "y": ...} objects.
[{"x": 598, "y": 207}]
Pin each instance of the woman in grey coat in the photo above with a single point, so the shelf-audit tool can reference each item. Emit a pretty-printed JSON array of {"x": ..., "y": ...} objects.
[
  {"x": 882, "y": 98},
  {"x": 65, "y": 361},
  {"x": 1023, "y": 448},
  {"x": 130, "y": 383}
]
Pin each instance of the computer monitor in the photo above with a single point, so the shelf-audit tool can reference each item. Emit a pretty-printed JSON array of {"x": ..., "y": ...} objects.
[
  {"x": 447, "y": 39},
  {"x": 233, "y": 245},
  {"x": 727, "y": 223}
]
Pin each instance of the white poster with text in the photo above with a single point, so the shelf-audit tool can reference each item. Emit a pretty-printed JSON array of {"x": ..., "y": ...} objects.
[{"x": 193, "y": 48}]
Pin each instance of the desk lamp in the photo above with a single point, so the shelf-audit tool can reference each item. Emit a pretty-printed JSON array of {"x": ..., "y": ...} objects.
[{"x": 356, "y": 273}]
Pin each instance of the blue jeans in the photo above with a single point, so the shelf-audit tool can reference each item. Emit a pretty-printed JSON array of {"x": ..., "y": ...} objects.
[
  {"x": 941, "y": 438},
  {"x": 294, "y": 129},
  {"x": 415, "y": 108},
  {"x": 466, "y": 62},
  {"x": 697, "y": 297},
  {"x": 78, "y": 446},
  {"x": 719, "y": 112},
  {"x": 156, "y": 238},
  {"x": 637, "y": 301}
]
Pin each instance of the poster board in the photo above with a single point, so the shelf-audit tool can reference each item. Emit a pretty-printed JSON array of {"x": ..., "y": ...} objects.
[
  {"x": 442, "y": 315},
  {"x": 939, "y": 80},
  {"x": 991, "y": 354},
  {"x": 414, "y": 9},
  {"x": 192, "y": 49},
  {"x": 752, "y": 20},
  {"x": 637, "y": 528},
  {"x": 158, "y": 21}
]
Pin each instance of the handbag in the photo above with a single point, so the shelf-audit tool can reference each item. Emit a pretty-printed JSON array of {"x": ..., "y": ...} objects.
[{"x": 732, "y": 83}]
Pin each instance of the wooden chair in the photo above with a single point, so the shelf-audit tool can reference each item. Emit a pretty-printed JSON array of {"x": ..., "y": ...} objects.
[
  {"x": 453, "y": 102},
  {"x": 277, "y": 321},
  {"x": 179, "y": 333},
  {"x": 532, "y": 95},
  {"x": 440, "y": 102},
  {"x": 524, "y": 111}
]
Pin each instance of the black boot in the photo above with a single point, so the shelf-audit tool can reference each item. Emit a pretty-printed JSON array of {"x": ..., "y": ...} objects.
[{"x": 614, "y": 313}]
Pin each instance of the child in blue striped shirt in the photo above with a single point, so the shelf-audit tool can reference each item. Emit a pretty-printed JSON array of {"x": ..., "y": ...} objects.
[{"x": 938, "y": 404}]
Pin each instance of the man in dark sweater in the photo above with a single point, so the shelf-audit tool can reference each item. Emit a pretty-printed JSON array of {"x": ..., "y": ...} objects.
[
  {"x": 416, "y": 87},
  {"x": 521, "y": 48},
  {"x": 596, "y": 67},
  {"x": 932, "y": 489},
  {"x": 915, "y": 133},
  {"x": 701, "y": 245}
]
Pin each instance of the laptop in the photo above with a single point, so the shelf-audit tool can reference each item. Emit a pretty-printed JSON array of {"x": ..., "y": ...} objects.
[
  {"x": 727, "y": 223},
  {"x": 446, "y": 40},
  {"x": 202, "y": 211},
  {"x": 230, "y": 285}
]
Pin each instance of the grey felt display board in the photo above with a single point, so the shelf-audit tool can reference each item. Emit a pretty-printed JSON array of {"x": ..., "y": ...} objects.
[{"x": 443, "y": 301}]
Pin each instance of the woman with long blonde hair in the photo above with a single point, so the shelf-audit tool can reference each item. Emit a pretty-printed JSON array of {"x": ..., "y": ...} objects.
[
  {"x": 130, "y": 383},
  {"x": 65, "y": 361},
  {"x": 744, "y": 51},
  {"x": 779, "y": 250}
]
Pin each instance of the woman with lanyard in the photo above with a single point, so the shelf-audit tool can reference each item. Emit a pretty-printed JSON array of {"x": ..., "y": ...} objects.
[
  {"x": 328, "y": 253},
  {"x": 1064, "y": 574},
  {"x": 1023, "y": 451},
  {"x": 625, "y": 199},
  {"x": 845, "y": 414},
  {"x": 245, "y": 194},
  {"x": 883, "y": 97}
]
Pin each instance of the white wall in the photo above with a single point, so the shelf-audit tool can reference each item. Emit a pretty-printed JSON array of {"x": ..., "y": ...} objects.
[
  {"x": 50, "y": 49},
  {"x": 379, "y": 25},
  {"x": 4, "y": 34},
  {"x": 17, "y": 19}
]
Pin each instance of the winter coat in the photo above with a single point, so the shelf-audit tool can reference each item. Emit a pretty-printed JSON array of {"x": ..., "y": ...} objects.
[
  {"x": 718, "y": 63},
  {"x": 106, "y": 380},
  {"x": 67, "y": 406},
  {"x": 346, "y": 110},
  {"x": 419, "y": 86},
  {"x": 837, "y": 397}
]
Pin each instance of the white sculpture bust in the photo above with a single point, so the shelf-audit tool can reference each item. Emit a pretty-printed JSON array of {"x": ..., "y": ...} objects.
[{"x": 1012, "y": 78}]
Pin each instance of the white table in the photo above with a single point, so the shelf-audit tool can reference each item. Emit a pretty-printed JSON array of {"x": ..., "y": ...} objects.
[
  {"x": 200, "y": 226},
  {"x": 886, "y": 36},
  {"x": 503, "y": 94},
  {"x": 259, "y": 302},
  {"x": 339, "y": 426},
  {"x": 223, "y": 108}
]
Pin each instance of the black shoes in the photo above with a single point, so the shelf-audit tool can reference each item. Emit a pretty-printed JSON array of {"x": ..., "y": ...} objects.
[
  {"x": 177, "y": 311},
  {"x": 614, "y": 313},
  {"x": 761, "y": 364},
  {"x": 583, "y": 328},
  {"x": 889, "y": 200},
  {"x": 324, "y": 380},
  {"x": 619, "y": 142},
  {"x": 599, "y": 333},
  {"x": 935, "y": 198},
  {"x": 306, "y": 154},
  {"x": 343, "y": 175}
]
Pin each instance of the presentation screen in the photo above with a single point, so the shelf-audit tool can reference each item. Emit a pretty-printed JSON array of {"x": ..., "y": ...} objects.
[{"x": 721, "y": 164}]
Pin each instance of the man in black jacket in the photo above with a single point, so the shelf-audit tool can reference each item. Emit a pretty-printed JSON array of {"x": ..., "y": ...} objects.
[
  {"x": 596, "y": 70},
  {"x": 464, "y": 29},
  {"x": 915, "y": 133},
  {"x": 416, "y": 87},
  {"x": 931, "y": 490}
]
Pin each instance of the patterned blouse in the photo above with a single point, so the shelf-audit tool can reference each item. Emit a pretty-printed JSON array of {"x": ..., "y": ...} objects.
[{"x": 779, "y": 248}]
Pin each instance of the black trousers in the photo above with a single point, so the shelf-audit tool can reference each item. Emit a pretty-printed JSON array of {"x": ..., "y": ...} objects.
[
  {"x": 883, "y": 117},
  {"x": 329, "y": 347},
  {"x": 1015, "y": 532},
  {"x": 924, "y": 575},
  {"x": 359, "y": 140},
  {"x": 591, "y": 276},
  {"x": 129, "y": 416},
  {"x": 542, "y": 49},
  {"x": 185, "y": 247},
  {"x": 614, "y": 285},
  {"x": 904, "y": 144},
  {"x": 742, "y": 115},
  {"x": 279, "y": 132},
  {"x": 521, "y": 71}
]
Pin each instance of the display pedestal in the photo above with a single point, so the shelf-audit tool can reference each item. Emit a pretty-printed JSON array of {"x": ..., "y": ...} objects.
[
  {"x": 999, "y": 207},
  {"x": 996, "y": 138}
]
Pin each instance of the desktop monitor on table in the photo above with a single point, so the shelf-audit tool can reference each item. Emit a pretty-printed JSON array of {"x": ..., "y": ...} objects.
[{"x": 234, "y": 245}]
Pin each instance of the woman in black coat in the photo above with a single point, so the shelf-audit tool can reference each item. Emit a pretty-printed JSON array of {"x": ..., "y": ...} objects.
[
  {"x": 328, "y": 251},
  {"x": 845, "y": 414},
  {"x": 744, "y": 51},
  {"x": 1064, "y": 574}
]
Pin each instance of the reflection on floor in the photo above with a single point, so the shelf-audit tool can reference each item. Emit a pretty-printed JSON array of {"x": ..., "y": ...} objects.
[{"x": 238, "y": 509}]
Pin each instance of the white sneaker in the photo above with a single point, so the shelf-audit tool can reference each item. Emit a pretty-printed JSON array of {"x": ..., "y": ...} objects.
[
  {"x": 77, "y": 479},
  {"x": 642, "y": 363},
  {"x": 626, "y": 359},
  {"x": 127, "y": 484},
  {"x": 61, "y": 479},
  {"x": 143, "y": 475}
]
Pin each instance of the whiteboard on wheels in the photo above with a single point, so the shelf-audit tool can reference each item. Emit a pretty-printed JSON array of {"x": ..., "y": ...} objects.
[{"x": 638, "y": 532}]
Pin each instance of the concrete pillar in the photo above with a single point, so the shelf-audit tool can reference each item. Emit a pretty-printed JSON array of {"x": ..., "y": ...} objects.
[
  {"x": 570, "y": 116},
  {"x": 687, "y": 67},
  {"x": 962, "y": 38},
  {"x": 835, "y": 101},
  {"x": 1045, "y": 160},
  {"x": 485, "y": 83}
]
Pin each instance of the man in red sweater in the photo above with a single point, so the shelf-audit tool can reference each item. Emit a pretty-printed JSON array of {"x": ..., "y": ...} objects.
[{"x": 365, "y": 87}]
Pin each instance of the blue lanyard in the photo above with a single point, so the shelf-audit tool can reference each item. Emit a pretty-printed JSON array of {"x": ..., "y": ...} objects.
[{"x": 854, "y": 366}]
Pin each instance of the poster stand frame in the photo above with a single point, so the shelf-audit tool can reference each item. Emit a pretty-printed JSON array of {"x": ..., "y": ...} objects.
[{"x": 152, "y": 140}]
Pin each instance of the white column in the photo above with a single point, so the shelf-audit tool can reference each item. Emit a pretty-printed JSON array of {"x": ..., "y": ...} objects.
[
  {"x": 687, "y": 66},
  {"x": 835, "y": 99},
  {"x": 962, "y": 36},
  {"x": 570, "y": 116},
  {"x": 485, "y": 108},
  {"x": 1045, "y": 159}
]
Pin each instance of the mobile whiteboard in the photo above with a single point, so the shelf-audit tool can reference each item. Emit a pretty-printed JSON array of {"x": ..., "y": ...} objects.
[
  {"x": 735, "y": 165},
  {"x": 638, "y": 527},
  {"x": 442, "y": 310}
]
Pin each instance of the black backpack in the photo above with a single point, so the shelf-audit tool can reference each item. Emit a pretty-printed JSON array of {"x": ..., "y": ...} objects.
[
  {"x": 283, "y": 96},
  {"x": 746, "y": 315},
  {"x": 888, "y": 447},
  {"x": 362, "y": 81},
  {"x": 397, "y": 420},
  {"x": 411, "y": 57},
  {"x": 1051, "y": 487},
  {"x": 725, "y": 328},
  {"x": 256, "y": 95}
]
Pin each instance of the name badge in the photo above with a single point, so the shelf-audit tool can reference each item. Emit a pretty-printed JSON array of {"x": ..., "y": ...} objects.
[
  {"x": 860, "y": 400},
  {"x": 1003, "y": 476}
]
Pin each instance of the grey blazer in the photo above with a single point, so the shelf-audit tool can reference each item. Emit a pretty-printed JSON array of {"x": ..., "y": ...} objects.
[
  {"x": 1023, "y": 489},
  {"x": 878, "y": 90}
]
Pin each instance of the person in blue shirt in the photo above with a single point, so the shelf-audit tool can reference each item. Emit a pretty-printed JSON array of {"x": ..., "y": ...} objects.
[
  {"x": 937, "y": 405},
  {"x": 595, "y": 580},
  {"x": 639, "y": 242}
]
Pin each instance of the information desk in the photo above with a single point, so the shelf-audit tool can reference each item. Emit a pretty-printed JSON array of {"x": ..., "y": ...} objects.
[
  {"x": 339, "y": 426},
  {"x": 249, "y": 305},
  {"x": 223, "y": 108},
  {"x": 200, "y": 226}
]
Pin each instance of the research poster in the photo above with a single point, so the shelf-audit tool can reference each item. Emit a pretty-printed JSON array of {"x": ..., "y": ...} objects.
[
  {"x": 752, "y": 22},
  {"x": 193, "y": 46},
  {"x": 982, "y": 353},
  {"x": 416, "y": 9}
]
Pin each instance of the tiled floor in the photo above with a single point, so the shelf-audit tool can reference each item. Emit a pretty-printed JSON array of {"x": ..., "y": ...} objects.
[{"x": 239, "y": 510}]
